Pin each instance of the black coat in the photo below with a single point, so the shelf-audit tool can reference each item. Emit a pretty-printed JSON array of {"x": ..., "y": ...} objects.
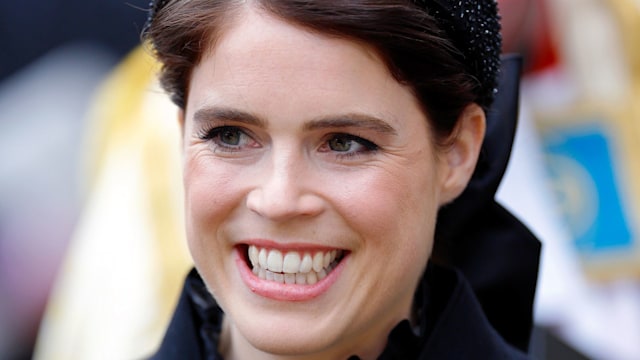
[{"x": 452, "y": 324}]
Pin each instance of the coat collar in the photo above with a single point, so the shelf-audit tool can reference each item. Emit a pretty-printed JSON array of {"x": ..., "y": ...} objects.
[{"x": 452, "y": 324}]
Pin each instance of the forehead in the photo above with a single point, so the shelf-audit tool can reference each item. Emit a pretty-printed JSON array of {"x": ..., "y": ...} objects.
[
  {"x": 264, "y": 65},
  {"x": 258, "y": 40}
]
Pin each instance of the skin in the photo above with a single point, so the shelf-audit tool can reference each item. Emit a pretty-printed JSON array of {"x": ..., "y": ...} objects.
[{"x": 286, "y": 174}]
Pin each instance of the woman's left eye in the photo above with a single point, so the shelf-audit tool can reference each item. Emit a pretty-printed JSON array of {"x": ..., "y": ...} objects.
[{"x": 346, "y": 144}]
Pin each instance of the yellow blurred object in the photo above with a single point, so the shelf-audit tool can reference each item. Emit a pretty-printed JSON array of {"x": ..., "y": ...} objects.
[
  {"x": 592, "y": 143},
  {"x": 128, "y": 258}
]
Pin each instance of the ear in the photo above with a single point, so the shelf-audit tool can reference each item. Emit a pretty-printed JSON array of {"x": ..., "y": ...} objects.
[{"x": 461, "y": 155}]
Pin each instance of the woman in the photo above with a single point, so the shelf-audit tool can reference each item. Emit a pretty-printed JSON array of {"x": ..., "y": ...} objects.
[{"x": 320, "y": 141}]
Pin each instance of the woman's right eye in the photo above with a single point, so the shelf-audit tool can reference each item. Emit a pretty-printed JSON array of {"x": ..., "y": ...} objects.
[{"x": 228, "y": 138}]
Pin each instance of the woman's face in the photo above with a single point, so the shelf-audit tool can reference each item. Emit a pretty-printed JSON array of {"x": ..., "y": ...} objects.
[{"x": 312, "y": 186}]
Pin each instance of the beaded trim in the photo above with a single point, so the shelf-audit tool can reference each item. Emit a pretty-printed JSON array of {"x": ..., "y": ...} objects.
[
  {"x": 474, "y": 27},
  {"x": 154, "y": 7}
]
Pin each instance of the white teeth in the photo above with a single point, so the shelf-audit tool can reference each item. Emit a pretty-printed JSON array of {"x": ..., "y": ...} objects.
[
  {"x": 274, "y": 261},
  {"x": 312, "y": 278},
  {"x": 322, "y": 274},
  {"x": 318, "y": 261},
  {"x": 307, "y": 263},
  {"x": 301, "y": 279},
  {"x": 289, "y": 278},
  {"x": 327, "y": 260},
  {"x": 292, "y": 267},
  {"x": 277, "y": 277},
  {"x": 262, "y": 258},
  {"x": 253, "y": 255},
  {"x": 291, "y": 263}
]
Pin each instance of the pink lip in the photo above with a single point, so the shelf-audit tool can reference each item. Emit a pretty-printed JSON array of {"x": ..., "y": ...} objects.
[
  {"x": 285, "y": 292},
  {"x": 289, "y": 246}
]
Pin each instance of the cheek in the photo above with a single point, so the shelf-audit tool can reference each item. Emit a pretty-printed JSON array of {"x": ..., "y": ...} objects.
[
  {"x": 393, "y": 214},
  {"x": 210, "y": 195},
  {"x": 394, "y": 210}
]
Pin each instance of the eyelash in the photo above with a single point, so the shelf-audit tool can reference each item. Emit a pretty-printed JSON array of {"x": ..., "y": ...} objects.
[
  {"x": 368, "y": 146},
  {"x": 213, "y": 135}
]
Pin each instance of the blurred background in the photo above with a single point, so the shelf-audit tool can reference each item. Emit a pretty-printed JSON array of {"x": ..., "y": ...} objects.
[
  {"x": 574, "y": 176},
  {"x": 53, "y": 56}
]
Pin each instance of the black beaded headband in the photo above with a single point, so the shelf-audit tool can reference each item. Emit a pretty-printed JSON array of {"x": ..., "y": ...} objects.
[
  {"x": 472, "y": 25},
  {"x": 154, "y": 7}
]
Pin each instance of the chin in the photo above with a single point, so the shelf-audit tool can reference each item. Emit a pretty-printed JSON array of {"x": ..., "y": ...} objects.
[{"x": 291, "y": 335}]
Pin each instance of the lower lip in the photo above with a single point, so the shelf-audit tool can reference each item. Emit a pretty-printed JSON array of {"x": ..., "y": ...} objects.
[{"x": 286, "y": 292}]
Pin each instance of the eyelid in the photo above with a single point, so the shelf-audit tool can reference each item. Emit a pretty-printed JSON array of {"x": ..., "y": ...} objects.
[
  {"x": 368, "y": 145},
  {"x": 209, "y": 133},
  {"x": 357, "y": 138}
]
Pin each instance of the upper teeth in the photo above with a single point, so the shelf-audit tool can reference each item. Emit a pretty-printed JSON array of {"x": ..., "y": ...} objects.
[{"x": 291, "y": 262}]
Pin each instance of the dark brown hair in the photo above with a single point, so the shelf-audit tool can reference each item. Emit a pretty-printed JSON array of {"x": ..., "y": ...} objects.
[{"x": 415, "y": 49}]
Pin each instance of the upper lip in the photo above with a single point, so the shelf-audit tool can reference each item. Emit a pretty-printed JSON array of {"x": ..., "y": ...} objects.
[{"x": 288, "y": 246}]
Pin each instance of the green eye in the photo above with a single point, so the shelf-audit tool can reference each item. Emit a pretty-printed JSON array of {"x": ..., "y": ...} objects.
[
  {"x": 230, "y": 136},
  {"x": 347, "y": 145},
  {"x": 340, "y": 143}
]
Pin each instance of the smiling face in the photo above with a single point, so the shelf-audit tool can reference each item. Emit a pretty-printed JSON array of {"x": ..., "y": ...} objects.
[{"x": 312, "y": 185}]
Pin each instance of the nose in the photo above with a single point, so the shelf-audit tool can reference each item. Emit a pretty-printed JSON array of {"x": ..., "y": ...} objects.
[{"x": 285, "y": 189}]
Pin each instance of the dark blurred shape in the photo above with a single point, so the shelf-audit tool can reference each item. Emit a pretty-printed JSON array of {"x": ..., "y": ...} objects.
[
  {"x": 31, "y": 28},
  {"x": 496, "y": 253},
  {"x": 547, "y": 346}
]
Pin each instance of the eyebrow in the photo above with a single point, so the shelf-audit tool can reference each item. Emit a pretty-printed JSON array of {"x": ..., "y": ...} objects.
[
  {"x": 227, "y": 114},
  {"x": 349, "y": 120}
]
